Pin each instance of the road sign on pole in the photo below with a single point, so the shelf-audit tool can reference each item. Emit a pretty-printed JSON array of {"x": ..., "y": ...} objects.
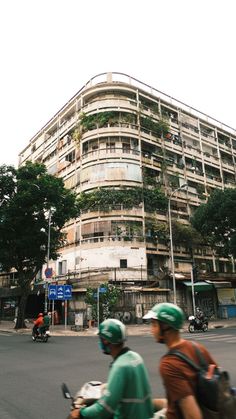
[
  {"x": 59, "y": 292},
  {"x": 52, "y": 292},
  {"x": 68, "y": 292},
  {"x": 48, "y": 273}
]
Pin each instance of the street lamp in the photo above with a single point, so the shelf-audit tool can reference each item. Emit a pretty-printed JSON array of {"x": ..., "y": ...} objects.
[
  {"x": 171, "y": 239},
  {"x": 48, "y": 256}
]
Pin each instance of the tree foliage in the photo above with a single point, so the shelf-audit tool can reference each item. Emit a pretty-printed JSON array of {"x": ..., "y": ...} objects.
[
  {"x": 107, "y": 300},
  {"x": 216, "y": 221},
  {"x": 27, "y": 195},
  {"x": 186, "y": 235}
]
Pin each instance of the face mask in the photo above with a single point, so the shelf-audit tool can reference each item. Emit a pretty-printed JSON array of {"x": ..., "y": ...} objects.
[{"x": 105, "y": 348}]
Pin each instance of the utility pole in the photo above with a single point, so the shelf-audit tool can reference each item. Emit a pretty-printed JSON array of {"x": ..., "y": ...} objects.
[
  {"x": 48, "y": 256},
  {"x": 171, "y": 241}
]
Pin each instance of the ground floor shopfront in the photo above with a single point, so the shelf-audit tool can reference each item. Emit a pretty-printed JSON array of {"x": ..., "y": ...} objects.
[{"x": 216, "y": 300}]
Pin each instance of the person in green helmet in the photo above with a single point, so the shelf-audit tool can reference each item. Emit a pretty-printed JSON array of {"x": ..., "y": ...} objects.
[
  {"x": 178, "y": 377},
  {"x": 128, "y": 393}
]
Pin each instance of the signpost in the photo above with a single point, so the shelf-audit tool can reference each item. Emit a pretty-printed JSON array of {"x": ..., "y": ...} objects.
[
  {"x": 99, "y": 290},
  {"x": 61, "y": 293}
]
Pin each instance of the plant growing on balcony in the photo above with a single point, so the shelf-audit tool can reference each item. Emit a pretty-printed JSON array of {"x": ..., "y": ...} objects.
[
  {"x": 102, "y": 119},
  {"x": 159, "y": 128},
  {"x": 105, "y": 199},
  {"x": 157, "y": 231}
]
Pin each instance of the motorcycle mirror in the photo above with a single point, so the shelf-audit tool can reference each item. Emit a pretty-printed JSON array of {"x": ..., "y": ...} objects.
[{"x": 65, "y": 391}]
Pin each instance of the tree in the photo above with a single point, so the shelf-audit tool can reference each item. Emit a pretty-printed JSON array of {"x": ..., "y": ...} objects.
[
  {"x": 216, "y": 221},
  {"x": 107, "y": 300},
  {"x": 186, "y": 235},
  {"x": 27, "y": 195}
]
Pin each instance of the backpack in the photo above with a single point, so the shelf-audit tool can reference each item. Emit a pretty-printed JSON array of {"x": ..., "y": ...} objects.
[{"x": 214, "y": 394}]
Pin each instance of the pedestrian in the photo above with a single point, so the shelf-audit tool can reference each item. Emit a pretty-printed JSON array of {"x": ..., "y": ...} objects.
[
  {"x": 178, "y": 377},
  {"x": 128, "y": 393}
]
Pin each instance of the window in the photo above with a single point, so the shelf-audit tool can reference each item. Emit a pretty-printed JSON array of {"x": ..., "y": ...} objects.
[
  {"x": 123, "y": 263},
  {"x": 111, "y": 147},
  {"x": 62, "y": 267},
  {"x": 70, "y": 157}
]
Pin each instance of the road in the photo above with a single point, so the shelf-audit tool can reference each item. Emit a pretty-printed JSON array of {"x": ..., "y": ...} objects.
[{"x": 31, "y": 373}]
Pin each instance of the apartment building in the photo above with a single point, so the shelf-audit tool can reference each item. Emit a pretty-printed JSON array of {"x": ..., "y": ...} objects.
[{"x": 116, "y": 142}]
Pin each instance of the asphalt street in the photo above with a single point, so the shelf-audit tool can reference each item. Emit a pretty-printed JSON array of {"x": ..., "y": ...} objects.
[{"x": 31, "y": 373}]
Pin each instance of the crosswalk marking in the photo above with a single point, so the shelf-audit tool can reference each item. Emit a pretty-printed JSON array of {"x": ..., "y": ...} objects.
[{"x": 211, "y": 337}]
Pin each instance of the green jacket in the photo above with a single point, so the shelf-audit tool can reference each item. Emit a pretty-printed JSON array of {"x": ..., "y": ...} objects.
[{"x": 128, "y": 393}]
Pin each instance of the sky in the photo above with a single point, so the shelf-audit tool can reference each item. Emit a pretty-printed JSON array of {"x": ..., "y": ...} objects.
[{"x": 51, "y": 48}]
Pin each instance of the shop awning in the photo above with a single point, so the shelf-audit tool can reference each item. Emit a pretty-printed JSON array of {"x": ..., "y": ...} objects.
[
  {"x": 220, "y": 284},
  {"x": 198, "y": 286}
]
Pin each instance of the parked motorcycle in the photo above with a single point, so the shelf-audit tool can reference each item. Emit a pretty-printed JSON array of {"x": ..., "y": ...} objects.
[
  {"x": 92, "y": 391},
  {"x": 197, "y": 325},
  {"x": 42, "y": 336}
]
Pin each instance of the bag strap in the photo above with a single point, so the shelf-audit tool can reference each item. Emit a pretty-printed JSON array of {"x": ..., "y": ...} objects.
[
  {"x": 202, "y": 362},
  {"x": 184, "y": 358}
]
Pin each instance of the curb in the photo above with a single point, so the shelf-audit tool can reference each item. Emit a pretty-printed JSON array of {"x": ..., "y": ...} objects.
[{"x": 133, "y": 330}]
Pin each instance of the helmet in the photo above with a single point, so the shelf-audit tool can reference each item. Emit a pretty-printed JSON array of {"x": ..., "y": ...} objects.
[
  {"x": 167, "y": 313},
  {"x": 112, "y": 330},
  {"x": 40, "y": 314}
]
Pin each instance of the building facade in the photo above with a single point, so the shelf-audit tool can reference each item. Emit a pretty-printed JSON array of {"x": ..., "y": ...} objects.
[{"x": 116, "y": 143}]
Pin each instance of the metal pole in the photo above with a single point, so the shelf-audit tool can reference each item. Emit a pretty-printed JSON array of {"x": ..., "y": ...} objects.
[
  {"x": 48, "y": 256},
  {"x": 53, "y": 308},
  {"x": 193, "y": 295},
  {"x": 98, "y": 305},
  {"x": 65, "y": 305},
  {"x": 171, "y": 251},
  {"x": 171, "y": 242}
]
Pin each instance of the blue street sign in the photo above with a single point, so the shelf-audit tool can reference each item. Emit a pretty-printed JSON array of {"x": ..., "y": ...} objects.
[
  {"x": 68, "y": 292},
  {"x": 60, "y": 292},
  {"x": 102, "y": 289},
  {"x": 52, "y": 292}
]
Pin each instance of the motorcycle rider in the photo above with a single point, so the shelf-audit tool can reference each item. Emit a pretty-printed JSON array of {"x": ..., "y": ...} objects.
[
  {"x": 37, "y": 324},
  {"x": 46, "y": 323},
  {"x": 178, "y": 377},
  {"x": 127, "y": 394},
  {"x": 200, "y": 315}
]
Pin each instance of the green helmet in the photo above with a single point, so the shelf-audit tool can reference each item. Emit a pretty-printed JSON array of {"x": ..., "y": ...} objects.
[
  {"x": 112, "y": 330},
  {"x": 167, "y": 313}
]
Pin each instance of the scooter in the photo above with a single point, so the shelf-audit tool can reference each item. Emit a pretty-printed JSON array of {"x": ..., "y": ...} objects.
[
  {"x": 197, "y": 325},
  {"x": 42, "y": 336},
  {"x": 92, "y": 391}
]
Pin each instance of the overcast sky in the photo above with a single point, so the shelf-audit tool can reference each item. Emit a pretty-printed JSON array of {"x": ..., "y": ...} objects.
[{"x": 51, "y": 48}]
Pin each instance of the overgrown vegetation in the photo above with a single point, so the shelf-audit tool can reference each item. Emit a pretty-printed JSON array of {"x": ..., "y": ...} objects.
[
  {"x": 107, "y": 300},
  {"x": 106, "y": 199}
]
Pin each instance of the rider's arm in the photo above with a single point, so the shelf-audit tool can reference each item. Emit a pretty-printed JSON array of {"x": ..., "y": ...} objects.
[
  {"x": 189, "y": 408},
  {"x": 159, "y": 404}
]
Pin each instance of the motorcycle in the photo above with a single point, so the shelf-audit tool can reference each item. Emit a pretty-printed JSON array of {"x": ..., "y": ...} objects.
[
  {"x": 42, "y": 336},
  {"x": 197, "y": 325},
  {"x": 92, "y": 391}
]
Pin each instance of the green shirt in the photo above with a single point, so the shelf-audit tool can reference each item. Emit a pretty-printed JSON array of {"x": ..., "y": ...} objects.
[
  {"x": 46, "y": 320},
  {"x": 128, "y": 393}
]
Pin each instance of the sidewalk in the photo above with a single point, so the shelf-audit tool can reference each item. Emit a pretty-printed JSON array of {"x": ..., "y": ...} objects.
[{"x": 132, "y": 330}]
